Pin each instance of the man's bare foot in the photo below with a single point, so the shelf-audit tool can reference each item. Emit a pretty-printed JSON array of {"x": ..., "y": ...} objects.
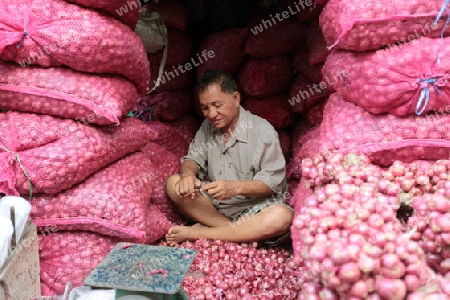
[
  {"x": 254, "y": 245},
  {"x": 179, "y": 234}
]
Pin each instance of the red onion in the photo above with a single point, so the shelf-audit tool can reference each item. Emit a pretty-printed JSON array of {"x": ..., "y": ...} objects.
[
  {"x": 360, "y": 289},
  {"x": 349, "y": 272},
  {"x": 394, "y": 289}
]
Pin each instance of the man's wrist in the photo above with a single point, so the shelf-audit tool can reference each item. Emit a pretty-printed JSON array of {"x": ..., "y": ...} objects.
[
  {"x": 187, "y": 174},
  {"x": 238, "y": 187}
]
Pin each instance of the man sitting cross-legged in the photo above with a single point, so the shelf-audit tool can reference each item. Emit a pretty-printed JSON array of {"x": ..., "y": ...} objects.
[{"x": 231, "y": 180}]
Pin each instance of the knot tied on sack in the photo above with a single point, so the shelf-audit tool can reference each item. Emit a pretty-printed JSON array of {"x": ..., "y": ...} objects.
[
  {"x": 141, "y": 114},
  {"x": 424, "y": 98},
  {"x": 16, "y": 154},
  {"x": 25, "y": 34}
]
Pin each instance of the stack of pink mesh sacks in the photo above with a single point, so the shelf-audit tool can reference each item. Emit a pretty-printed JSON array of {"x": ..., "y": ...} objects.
[
  {"x": 389, "y": 64},
  {"x": 385, "y": 67},
  {"x": 70, "y": 73}
]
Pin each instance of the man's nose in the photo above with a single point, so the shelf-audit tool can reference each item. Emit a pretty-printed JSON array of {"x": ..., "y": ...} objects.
[{"x": 212, "y": 113}]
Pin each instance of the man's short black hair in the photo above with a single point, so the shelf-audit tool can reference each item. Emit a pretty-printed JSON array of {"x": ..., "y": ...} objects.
[{"x": 224, "y": 80}]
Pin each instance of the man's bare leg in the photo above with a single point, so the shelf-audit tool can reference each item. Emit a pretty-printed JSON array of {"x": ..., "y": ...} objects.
[
  {"x": 273, "y": 221},
  {"x": 199, "y": 209}
]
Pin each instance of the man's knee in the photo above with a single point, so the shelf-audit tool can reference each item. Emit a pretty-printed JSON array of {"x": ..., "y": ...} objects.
[
  {"x": 279, "y": 218},
  {"x": 169, "y": 186}
]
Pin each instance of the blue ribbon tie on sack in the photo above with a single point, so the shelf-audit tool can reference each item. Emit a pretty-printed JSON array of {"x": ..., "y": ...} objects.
[
  {"x": 424, "y": 98},
  {"x": 140, "y": 114},
  {"x": 444, "y": 8},
  {"x": 25, "y": 34}
]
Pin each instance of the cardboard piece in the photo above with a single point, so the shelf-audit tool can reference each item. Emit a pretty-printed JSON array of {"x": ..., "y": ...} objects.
[{"x": 20, "y": 275}]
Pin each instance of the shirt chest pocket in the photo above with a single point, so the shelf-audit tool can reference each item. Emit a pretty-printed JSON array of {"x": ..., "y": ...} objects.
[
  {"x": 244, "y": 175},
  {"x": 241, "y": 172},
  {"x": 240, "y": 162}
]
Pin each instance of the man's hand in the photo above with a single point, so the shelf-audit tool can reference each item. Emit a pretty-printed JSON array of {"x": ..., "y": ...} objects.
[
  {"x": 222, "y": 189},
  {"x": 185, "y": 187}
]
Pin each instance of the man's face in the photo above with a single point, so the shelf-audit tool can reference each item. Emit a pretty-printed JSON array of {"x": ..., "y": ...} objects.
[{"x": 220, "y": 108}]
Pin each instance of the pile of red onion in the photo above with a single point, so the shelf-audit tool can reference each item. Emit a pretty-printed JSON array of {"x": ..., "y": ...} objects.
[
  {"x": 350, "y": 229},
  {"x": 417, "y": 178},
  {"x": 225, "y": 270}
]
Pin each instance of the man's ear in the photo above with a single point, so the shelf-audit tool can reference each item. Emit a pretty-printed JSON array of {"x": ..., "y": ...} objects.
[{"x": 237, "y": 97}]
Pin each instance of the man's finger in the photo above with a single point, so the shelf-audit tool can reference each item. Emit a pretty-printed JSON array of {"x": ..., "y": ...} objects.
[
  {"x": 177, "y": 189},
  {"x": 186, "y": 189},
  {"x": 190, "y": 193},
  {"x": 208, "y": 186}
]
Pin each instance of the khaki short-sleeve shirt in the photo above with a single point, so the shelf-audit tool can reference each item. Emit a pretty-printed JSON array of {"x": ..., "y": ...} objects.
[{"x": 253, "y": 152}]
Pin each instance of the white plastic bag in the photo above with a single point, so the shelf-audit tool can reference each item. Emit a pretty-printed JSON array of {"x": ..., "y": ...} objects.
[
  {"x": 87, "y": 293},
  {"x": 151, "y": 31},
  {"x": 6, "y": 233},
  {"x": 22, "y": 211},
  {"x": 153, "y": 34}
]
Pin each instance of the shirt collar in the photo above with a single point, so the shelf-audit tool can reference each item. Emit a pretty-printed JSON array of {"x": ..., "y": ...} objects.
[{"x": 241, "y": 130}]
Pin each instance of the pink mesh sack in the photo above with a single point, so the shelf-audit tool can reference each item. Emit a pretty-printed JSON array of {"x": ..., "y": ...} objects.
[
  {"x": 311, "y": 145},
  {"x": 121, "y": 193},
  {"x": 282, "y": 38},
  {"x": 173, "y": 12},
  {"x": 292, "y": 188},
  {"x": 317, "y": 45},
  {"x": 314, "y": 115},
  {"x": 304, "y": 94},
  {"x": 66, "y": 34},
  {"x": 276, "y": 110},
  {"x": 301, "y": 194},
  {"x": 165, "y": 164},
  {"x": 304, "y": 144},
  {"x": 63, "y": 92},
  {"x": 300, "y": 128},
  {"x": 304, "y": 10},
  {"x": 368, "y": 25},
  {"x": 178, "y": 51},
  {"x": 126, "y": 11},
  {"x": 285, "y": 143},
  {"x": 187, "y": 126},
  {"x": 228, "y": 49},
  {"x": 55, "y": 153},
  {"x": 266, "y": 77},
  {"x": 165, "y": 106},
  {"x": 300, "y": 58},
  {"x": 392, "y": 81},
  {"x": 70, "y": 256},
  {"x": 169, "y": 138},
  {"x": 310, "y": 13},
  {"x": 172, "y": 78},
  {"x": 157, "y": 223},
  {"x": 384, "y": 138},
  {"x": 301, "y": 64}
]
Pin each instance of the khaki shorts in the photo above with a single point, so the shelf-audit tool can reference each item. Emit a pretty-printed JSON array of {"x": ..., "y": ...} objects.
[
  {"x": 275, "y": 241},
  {"x": 237, "y": 212}
]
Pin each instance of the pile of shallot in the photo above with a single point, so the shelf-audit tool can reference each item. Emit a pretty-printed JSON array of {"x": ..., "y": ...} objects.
[
  {"x": 225, "y": 270},
  {"x": 355, "y": 229}
]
